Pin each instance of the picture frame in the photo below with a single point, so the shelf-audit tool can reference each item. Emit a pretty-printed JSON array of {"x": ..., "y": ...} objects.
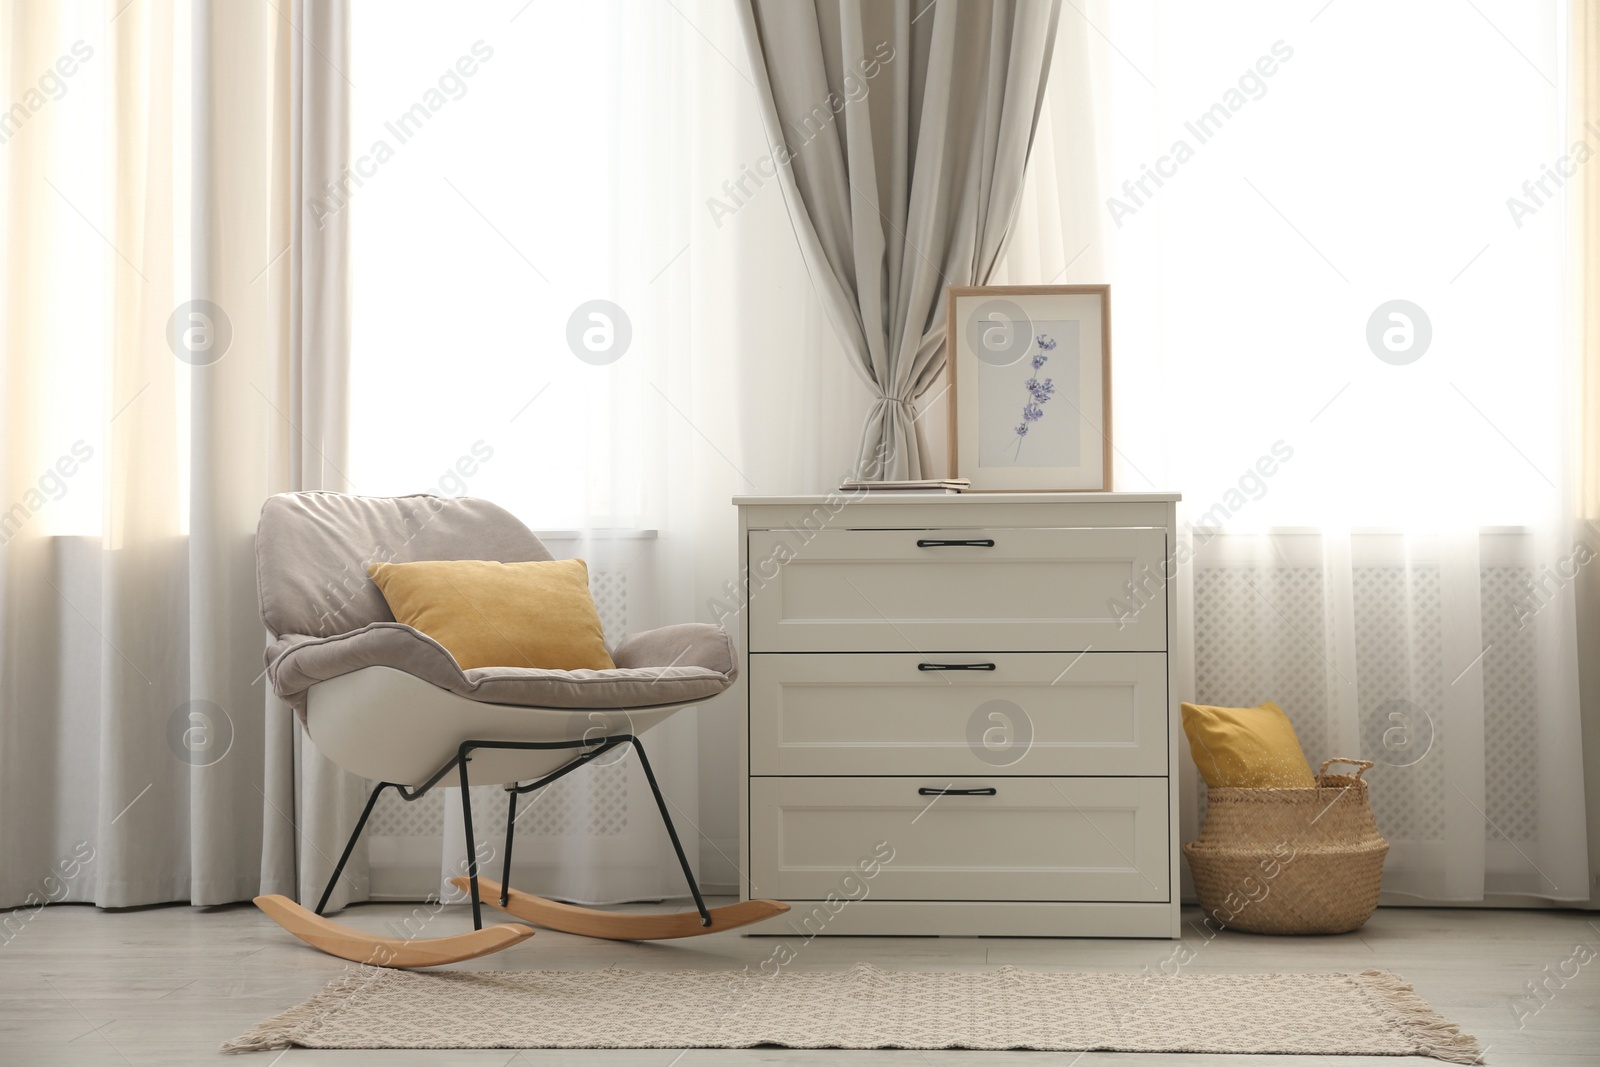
[{"x": 1014, "y": 425}]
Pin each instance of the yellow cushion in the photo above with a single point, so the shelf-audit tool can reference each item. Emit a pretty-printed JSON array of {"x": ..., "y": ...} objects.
[
  {"x": 490, "y": 614},
  {"x": 1250, "y": 748}
]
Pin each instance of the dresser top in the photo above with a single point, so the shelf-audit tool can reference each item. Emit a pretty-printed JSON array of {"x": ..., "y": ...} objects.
[{"x": 917, "y": 497}]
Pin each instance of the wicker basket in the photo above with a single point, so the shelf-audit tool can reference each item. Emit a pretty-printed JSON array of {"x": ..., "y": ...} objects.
[{"x": 1290, "y": 861}]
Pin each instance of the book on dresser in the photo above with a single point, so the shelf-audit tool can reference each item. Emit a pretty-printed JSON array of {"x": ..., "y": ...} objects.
[{"x": 957, "y": 714}]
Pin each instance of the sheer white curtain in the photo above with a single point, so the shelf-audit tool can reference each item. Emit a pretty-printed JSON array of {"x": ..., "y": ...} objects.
[
  {"x": 160, "y": 376},
  {"x": 1379, "y": 495},
  {"x": 576, "y": 295}
]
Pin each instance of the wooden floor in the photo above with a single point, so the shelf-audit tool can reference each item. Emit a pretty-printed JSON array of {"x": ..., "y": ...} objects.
[{"x": 164, "y": 986}]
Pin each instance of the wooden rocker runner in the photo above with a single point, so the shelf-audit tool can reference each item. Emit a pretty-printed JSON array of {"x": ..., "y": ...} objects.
[
  {"x": 618, "y": 926},
  {"x": 387, "y": 702}
]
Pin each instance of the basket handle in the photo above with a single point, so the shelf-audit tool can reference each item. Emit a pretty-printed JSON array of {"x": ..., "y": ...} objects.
[{"x": 1362, "y": 765}]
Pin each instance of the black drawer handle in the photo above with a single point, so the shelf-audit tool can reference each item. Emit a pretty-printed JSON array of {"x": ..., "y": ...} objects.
[
  {"x": 955, "y": 666},
  {"x": 985, "y": 791},
  {"x": 938, "y": 542}
]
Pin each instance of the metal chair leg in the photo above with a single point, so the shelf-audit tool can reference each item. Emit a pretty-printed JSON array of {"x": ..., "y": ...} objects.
[
  {"x": 472, "y": 841},
  {"x": 350, "y": 846},
  {"x": 677, "y": 846},
  {"x": 511, "y": 827}
]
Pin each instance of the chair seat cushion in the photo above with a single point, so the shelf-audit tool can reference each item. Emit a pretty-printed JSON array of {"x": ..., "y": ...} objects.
[{"x": 670, "y": 665}]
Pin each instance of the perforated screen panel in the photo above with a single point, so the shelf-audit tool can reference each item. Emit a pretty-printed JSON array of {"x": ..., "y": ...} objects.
[{"x": 1260, "y": 634}]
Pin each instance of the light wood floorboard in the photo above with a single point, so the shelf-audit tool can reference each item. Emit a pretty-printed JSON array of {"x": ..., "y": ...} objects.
[{"x": 165, "y": 986}]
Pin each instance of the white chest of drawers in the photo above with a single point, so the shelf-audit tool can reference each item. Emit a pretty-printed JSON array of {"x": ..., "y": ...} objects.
[{"x": 958, "y": 716}]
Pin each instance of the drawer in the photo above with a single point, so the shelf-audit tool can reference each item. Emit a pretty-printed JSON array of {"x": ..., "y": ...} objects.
[
  {"x": 1029, "y": 590},
  {"x": 1034, "y": 713},
  {"x": 1038, "y": 839}
]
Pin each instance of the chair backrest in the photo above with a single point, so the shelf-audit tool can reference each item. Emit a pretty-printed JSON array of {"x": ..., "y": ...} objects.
[{"x": 312, "y": 551}]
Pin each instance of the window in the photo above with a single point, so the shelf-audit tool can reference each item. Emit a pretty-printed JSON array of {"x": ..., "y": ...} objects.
[
  {"x": 497, "y": 198},
  {"x": 1276, "y": 177}
]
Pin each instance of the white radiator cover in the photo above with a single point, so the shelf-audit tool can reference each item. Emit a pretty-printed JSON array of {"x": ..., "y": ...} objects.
[
  {"x": 1439, "y": 660},
  {"x": 1240, "y": 661}
]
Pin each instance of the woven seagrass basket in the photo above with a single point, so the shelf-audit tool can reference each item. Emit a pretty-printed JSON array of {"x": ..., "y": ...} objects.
[{"x": 1290, "y": 861}]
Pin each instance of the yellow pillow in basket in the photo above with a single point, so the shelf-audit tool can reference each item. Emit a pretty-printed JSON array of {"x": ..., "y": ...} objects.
[
  {"x": 1250, "y": 748},
  {"x": 489, "y": 614}
]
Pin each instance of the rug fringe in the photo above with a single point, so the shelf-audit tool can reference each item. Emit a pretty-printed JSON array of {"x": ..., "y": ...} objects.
[
  {"x": 278, "y": 1031},
  {"x": 1434, "y": 1035}
]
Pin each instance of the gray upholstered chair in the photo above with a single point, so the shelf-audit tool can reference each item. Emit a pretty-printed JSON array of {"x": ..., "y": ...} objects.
[{"x": 387, "y": 702}]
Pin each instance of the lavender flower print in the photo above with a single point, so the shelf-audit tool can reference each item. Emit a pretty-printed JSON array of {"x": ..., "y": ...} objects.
[{"x": 1038, "y": 392}]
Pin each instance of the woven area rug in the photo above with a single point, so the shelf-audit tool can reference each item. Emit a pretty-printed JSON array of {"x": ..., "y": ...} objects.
[{"x": 1373, "y": 1013}]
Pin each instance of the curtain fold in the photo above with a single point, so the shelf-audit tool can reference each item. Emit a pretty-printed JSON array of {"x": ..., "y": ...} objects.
[
  {"x": 160, "y": 365},
  {"x": 312, "y": 302},
  {"x": 900, "y": 139},
  {"x": 1583, "y": 295}
]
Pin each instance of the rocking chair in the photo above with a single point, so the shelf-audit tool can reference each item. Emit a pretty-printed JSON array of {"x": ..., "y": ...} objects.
[{"x": 385, "y": 701}]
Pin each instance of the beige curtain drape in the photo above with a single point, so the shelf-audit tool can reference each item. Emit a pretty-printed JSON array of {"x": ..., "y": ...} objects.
[
  {"x": 171, "y": 331},
  {"x": 900, "y": 133}
]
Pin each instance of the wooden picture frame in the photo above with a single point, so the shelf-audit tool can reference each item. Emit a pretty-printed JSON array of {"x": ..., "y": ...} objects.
[{"x": 1002, "y": 343}]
